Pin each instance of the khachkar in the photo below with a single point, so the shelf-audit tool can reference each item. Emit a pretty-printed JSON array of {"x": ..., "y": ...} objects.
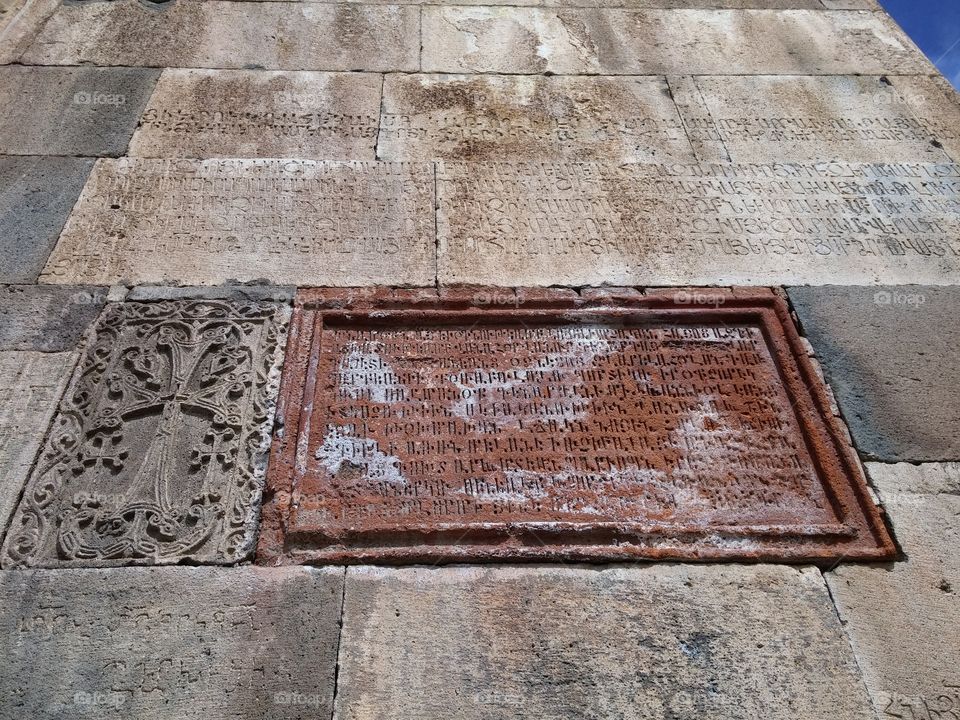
[{"x": 158, "y": 449}]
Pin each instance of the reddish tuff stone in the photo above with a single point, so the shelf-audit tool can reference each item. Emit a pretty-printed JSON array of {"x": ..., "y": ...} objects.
[{"x": 683, "y": 423}]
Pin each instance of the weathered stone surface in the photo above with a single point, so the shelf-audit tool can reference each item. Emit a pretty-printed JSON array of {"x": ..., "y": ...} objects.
[
  {"x": 31, "y": 383},
  {"x": 701, "y": 224},
  {"x": 636, "y": 4},
  {"x": 291, "y": 222},
  {"x": 158, "y": 450},
  {"x": 71, "y": 111},
  {"x": 499, "y": 117},
  {"x": 658, "y": 642},
  {"x": 937, "y": 105},
  {"x": 233, "y": 293},
  {"x": 169, "y": 644},
  {"x": 642, "y": 42},
  {"x": 47, "y": 319},
  {"x": 36, "y": 194},
  {"x": 808, "y": 119},
  {"x": 454, "y": 427},
  {"x": 219, "y": 34},
  {"x": 257, "y": 113},
  {"x": 904, "y": 619},
  {"x": 886, "y": 353},
  {"x": 20, "y": 21}
]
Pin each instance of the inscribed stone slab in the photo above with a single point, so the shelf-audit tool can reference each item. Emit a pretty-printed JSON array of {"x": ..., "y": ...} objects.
[
  {"x": 937, "y": 106},
  {"x": 699, "y": 224},
  {"x": 31, "y": 383},
  {"x": 158, "y": 450},
  {"x": 36, "y": 195},
  {"x": 219, "y": 34},
  {"x": 420, "y": 428},
  {"x": 47, "y": 319},
  {"x": 889, "y": 353},
  {"x": 665, "y": 42},
  {"x": 640, "y": 4},
  {"x": 659, "y": 642},
  {"x": 810, "y": 119},
  {"x": 904, "y": 619},
  {"x": 259, "y": 113},
  {"x": 169, "y": 644},
  {"x": 497, "y": 117},
  {"x": 290, "y": 222},
  {"x": 71, "y": 111}
]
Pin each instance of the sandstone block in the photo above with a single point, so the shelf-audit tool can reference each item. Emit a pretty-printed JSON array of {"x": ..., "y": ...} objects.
[
  {"x": 287, "y": 222},
  {"x": 903, "y": 619},
  {"x": 169, "y": 644},
  {"x": 660, "y": 42},
  {"x": 503, "y": 117},
  {"x": 257, "y": 113},
  {"x": 560, "y": 642},
  {"x": 222, "y": 34}
]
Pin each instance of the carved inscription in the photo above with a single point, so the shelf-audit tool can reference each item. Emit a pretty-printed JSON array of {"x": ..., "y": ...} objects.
[
  {"x": 619, "y": 425},
  {"x": 258, "y": 113},
  {"x": 209, "y": 221},
  {"x": 544, "y": 223},
  {"x": 568, "y": 424},
  {"x": 30, "y": 385},
  {"x": 158, "y": 449},
  {"x": 464, "y": 117}
]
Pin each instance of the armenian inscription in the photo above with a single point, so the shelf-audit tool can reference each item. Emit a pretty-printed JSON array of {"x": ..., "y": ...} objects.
[
  {"x": 698, "y": 224},
  {"x": 604, "y": 431},
  {"x": 206, "y": 222}
]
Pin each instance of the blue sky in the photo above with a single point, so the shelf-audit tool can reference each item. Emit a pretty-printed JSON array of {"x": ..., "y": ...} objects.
[{"x": 934, "y": 25}]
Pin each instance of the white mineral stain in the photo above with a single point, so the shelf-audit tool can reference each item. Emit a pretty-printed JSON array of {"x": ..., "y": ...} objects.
[
  {"x": 339, "y": 448},
  {"x": 358, "y": 364}
]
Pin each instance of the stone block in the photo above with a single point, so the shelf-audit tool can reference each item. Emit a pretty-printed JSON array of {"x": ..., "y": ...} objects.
[
  {"x": 904, "y": 619},
  {"x": 71, "y": 111},
  {"x": 31, "y": 384},
  {"x": 258, "y": 113},
  {"x": 286, "y": 222},
  {"x": 697, "y": 224},
  {"x": 665, "y": 42},
  {"x": 937, "y": 106},
  {"x": 808, "y": 119},
  {"x": 36, "y": 195},
  {"x": 886, "y": 352},
  {"x": 169, "y": 644},
  {"x": 45, "y": 318},
  {"x": 159, "y": 447},
  {"x": 658, "y": 642},
  {"x": 510, "y": 118},
  {"x": 221, "y": 34}
]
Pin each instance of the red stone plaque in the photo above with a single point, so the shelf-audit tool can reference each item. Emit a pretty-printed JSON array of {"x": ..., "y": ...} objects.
[{"x": 483, "y": 425}]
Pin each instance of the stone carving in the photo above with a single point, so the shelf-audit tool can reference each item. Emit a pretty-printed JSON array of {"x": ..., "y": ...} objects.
[
  {"x": 158, "y": 449},
  {"x": 680, "y": 425}
]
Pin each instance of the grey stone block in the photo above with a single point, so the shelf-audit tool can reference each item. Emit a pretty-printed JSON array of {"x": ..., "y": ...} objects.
[
  {"x": 904, "y": 619},
  {"x": 170, "y": 644},
  {"x": 71, "y": 111},
  {"x": 47, "y": 318},
  {"x": 889, "y": 353},
  {"x": 36, "y": 195},
  {"x": 659, "y": 642}
]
